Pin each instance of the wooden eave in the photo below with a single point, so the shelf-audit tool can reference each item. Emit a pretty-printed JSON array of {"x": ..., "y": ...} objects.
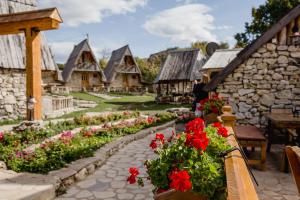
[
  {"x": 45, "y": 19},
  {"x": 252, "y": 48}
]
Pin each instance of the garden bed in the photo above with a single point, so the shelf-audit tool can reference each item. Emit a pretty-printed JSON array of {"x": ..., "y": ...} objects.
[{"x": 55, "y": 154}]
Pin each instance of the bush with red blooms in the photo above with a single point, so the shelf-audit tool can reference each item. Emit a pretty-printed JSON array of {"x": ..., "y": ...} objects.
[
  {"x": 188, "y": 161},
  {"x": 213, "y": 104}
]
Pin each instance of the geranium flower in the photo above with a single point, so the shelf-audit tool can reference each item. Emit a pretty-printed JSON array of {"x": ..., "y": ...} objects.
[
  {"x": 200, "y": 142},
  {"x": 217, "y": 124},
  {"x": 153, "y": 144},
  {"x": 195, "y": 125},
  {"x": 133, "y": 174},
  {"x": 223, "y": 131},
  {"x": 180, "y": 180},
  {"x": 133, "y": 171},
  {"x": 160, "y": 136},
  {"x": 150, "y": 120},
  {"x": 1, "y": 136},
  {"x": 131, "y": 179}
]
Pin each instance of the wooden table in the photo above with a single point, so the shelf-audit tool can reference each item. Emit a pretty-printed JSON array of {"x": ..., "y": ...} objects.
[{"x": 281, "y": 121}]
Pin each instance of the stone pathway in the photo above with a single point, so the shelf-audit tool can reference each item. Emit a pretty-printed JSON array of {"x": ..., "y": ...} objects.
[
  {"x": 109, "y": 181},
  {"x": 104, "y": 96}
]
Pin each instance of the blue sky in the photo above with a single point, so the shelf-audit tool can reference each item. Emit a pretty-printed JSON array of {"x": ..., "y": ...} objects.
[{"x": 147, "y": 26}]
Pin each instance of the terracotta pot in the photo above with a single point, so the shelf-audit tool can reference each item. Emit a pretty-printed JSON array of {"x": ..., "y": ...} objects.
[
  {"x": 176, "y": 195},
  {"x": 210, "y": 118}
]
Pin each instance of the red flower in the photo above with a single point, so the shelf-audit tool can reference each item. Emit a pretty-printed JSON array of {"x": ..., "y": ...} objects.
[
  {"x": 153, "y": 144},
  {"x": 180, "y": 180},
  {"x": 188, "y": 140},
  {"x": 133, "y": 174},
  {"x": 217, "y": 124},
  {"x": 131, "y": 179},
  {"x": 1, "y": 136},
  {"x": 87, "y": 134},
  {"x": 223, "y": 131},
  {"x": 133, "y": 171},
  {"x": 195, "y": 125},
  {"x": 200, "y": 142},
  {"x": 160, "y": 136},
  {"x": 150, "y": 120}
]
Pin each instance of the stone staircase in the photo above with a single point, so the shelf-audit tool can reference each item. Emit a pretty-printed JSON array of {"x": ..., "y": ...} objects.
[{"x": 84, "y": 104}]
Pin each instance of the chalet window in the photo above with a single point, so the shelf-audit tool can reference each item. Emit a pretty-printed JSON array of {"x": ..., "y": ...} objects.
[
  {"x": 95, "y": 76},
  {"x": 133, "y": 77}
]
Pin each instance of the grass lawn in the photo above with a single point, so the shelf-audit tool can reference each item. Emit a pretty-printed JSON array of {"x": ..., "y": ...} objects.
[{"x": 144, "y": 103}]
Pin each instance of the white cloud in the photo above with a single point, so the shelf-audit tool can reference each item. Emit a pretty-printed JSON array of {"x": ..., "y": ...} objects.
[
  {"x": 185, "y": 1},
  {"x": 76, "y": 12},
  {"x": 61, "y": 50},
  {"x": 186, "y": 23}
]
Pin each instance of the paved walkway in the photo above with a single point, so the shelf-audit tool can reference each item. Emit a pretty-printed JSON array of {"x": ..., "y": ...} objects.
[{"x": 109, "y": 181}]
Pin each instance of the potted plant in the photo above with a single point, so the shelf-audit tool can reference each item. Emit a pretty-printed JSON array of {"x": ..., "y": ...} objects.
[
  {"x": 188, "y": 165},
  {"x": 211, "y": 108}
]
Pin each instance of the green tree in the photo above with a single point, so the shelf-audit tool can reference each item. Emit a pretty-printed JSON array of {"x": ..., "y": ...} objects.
[
  {"x": 60, "y": 66},
  {"x": 103, "y": 63},
  {"x": 149, "y": 69},
  {"x": 202, "y": 45},
  {"x": 262, "y": 18}
]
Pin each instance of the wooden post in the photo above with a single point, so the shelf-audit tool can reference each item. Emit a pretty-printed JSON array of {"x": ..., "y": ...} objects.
[
  {"x": 33, "y": 72},
  {"x": 227, "y": 117}
]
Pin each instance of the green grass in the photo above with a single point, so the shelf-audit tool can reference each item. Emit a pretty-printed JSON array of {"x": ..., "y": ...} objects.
[{"x": 144, "y": 103}]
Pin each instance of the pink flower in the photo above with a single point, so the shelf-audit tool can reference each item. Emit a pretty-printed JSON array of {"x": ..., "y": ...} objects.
[{"x": 1, "y": 136}]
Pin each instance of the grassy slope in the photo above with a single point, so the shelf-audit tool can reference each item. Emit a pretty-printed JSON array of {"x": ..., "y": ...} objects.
[{"x": 140, "y": 103}]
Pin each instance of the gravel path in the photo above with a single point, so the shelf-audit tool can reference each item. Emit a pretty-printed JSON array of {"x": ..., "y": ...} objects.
[{"x": 109, "y": 181}]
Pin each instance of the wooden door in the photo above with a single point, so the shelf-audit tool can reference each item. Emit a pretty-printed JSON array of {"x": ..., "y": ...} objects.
[
  {"x": 125, "y": 81},
  {"x": 85, "y": 80}
]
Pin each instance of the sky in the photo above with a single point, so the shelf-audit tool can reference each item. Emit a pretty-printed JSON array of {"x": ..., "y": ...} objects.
[{"x": 148, "y": 26}]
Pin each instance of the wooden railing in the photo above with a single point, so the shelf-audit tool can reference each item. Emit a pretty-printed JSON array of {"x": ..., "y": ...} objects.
[
  {"x": 239, "y": 183},
  {"x": 61, "y": 103}
]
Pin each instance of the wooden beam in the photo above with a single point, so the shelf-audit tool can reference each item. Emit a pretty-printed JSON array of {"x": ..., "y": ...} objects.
[
  {"x": 33, "y": 72},
  {"x": 15, "y": 23},
  {"x": 239, "y": 182}
]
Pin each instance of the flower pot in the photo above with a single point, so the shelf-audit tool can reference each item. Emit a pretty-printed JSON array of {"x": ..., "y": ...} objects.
[
  {"x": 210, "y": 118},
  {"x": 177, "y": 195}
]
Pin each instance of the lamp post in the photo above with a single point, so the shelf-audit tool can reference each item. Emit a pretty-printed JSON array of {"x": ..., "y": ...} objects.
[{"x": 30, "y": 106}]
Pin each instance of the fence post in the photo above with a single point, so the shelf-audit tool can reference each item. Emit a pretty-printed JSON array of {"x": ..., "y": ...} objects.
[{"x": 227, "y": 117}]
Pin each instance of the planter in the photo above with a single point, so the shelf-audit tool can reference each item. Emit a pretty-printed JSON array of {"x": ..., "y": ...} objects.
[
  {"x": 176, "y": 195},
  {"x": 210, "y": 118}
]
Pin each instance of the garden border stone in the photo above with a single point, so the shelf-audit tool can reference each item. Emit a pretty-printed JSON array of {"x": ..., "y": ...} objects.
[{"x": 79, "y": 169}]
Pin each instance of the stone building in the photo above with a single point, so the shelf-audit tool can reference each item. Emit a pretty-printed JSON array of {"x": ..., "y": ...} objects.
[
  {"x": 122, "y": 72},
  {"x": 265, "y": 73},
  {"x": 12, "y": 64},
  {"x": 82, "y": 70},
  {"x": 178, "y": 73}
]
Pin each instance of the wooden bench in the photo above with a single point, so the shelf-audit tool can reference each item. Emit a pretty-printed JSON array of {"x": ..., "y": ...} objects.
[
  {"x": 251, "y": 136},
  {"x": 293, "y": 155}
]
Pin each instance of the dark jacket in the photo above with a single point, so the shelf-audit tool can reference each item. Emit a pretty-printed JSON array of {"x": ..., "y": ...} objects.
[{"x": 199, "y": 93}]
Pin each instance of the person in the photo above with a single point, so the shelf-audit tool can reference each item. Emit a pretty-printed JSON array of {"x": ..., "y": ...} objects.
[{"x": 199, "y": 94}]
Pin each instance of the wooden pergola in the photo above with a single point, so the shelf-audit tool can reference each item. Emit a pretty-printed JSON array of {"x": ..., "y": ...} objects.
[{"x": 31, "y": 23}]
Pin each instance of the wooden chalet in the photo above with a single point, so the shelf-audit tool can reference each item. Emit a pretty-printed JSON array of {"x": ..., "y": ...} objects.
[
  {"x": 123, "y": 73},
  {"x": 216, "y": 62},
  {"x": 82, "y": 70},
  {"x": 264, "y": 74},
  {"x": 176, "y": 77}
]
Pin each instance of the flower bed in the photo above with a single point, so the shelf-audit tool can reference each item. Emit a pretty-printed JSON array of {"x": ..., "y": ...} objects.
[
  {"x": 190, "y": 161},
  {"x": 69, "y": 147}
]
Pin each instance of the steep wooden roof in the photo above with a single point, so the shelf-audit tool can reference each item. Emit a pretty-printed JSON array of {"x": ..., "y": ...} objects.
[
  {"x": 253, "y": 47},
  {"x": 182, "y": 65},
  {"x": 72, "y": 64},
  {"x": 12, "y": 47},
  {"x": 115, "y": 61}
]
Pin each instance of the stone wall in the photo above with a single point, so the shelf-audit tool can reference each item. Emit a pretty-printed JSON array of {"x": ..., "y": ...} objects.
[
  {"x": 132, "y": 82},
  {"x": 13, "y": 92},
  {"x": 269, "y": 77},
  {"x": 75, "y": 82}
]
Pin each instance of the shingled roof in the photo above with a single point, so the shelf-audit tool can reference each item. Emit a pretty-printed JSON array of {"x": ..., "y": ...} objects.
[
  {"x": 12, "y": 47},
  {"x": 182, "y": 65},
  {"x": 253, "y": 47},
  {"x": 72, "y": 64},
  {"x": 221, "y": 58},
  {"x": 116, "y": 60}
]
